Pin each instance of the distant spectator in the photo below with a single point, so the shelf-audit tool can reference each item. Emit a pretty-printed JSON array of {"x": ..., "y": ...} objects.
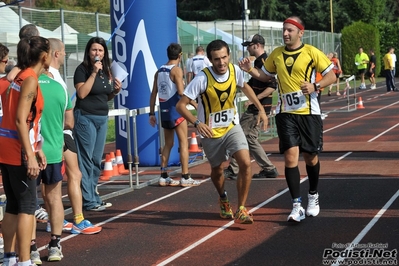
[
  {"x": 388, "y": 67},
  {"x": 371, "y": 70},
  {"x": 10, "y": 65},
  {"x": 187, "y": 65},
  {"x": 337, "y": 71},
  {"x": 198, "y": 62},
  {"x": 28, "y": 31},
  {"x": 361, "y": 61},
  {"x": 393, "y": 55},
  {"x": 3, "y": 58}
]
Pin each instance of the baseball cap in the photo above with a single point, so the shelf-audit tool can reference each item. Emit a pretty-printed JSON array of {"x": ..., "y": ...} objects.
[{"x": 256, "y": 38}]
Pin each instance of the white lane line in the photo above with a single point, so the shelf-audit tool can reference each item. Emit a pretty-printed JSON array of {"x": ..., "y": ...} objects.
[
  {"x": 220, "y": 229},
  {"x": 382, "y": 133},
  {"x": 359, "y": 117},
  {"x": 130, "y": 211},
  {"x": 360, "y": 236},
  {"x": 343, "y": 156}
]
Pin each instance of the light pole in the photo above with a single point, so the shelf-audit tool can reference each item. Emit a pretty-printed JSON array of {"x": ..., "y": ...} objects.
[
  {"x": 331, "y": 17},
  {"x": 245, "y": 20}
]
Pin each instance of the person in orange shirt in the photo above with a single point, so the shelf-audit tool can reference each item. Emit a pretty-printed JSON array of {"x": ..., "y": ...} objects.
[
  {"x": 319, "y": 93},
  {"x": 337, "y": 71},
  {"x": 21, "y": 158}
]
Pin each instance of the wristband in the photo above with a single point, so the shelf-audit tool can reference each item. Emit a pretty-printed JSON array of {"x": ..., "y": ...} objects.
[
  {"x": 316, "y": 86},
  {"x": 249, "y": 70},
  {"x": 151, "y": 114},
  {"x": 196, "y": 123}
]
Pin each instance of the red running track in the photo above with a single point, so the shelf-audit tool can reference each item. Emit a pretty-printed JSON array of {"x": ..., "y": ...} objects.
[{"x": 359, "y": 190}]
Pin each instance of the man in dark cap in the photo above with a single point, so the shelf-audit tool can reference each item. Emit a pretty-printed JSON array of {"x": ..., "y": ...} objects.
[{"x": 263, "y": 90}]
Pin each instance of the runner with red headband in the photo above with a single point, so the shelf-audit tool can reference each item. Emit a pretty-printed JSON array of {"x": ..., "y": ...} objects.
[{"x": 298, "y": 114}]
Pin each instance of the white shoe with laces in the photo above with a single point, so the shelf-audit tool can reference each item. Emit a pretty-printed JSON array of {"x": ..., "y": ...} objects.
[
  {"x": 163, "y": 182},
  {"x": 297, "y": 214},
  {"x": 313, "y": 208},
  {"x": 189, "y": 182}
]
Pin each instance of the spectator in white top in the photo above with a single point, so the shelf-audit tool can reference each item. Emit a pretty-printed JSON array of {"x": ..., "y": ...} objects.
[
  {"x": 393, "y": 55},
  {"x": 187, "y": 66},
  {"x": 198, "y": 62}
]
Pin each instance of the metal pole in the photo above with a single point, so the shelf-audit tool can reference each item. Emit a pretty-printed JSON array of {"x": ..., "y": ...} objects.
[
  {"x": 243, "y": 22},
  {"x": 246, "y": 11},
  {"x": 198, "y": 35},
  {"x": 129, "y": 149},
  {"x": 331, "y": 16},
  {"x": 136, "y": 149},
  {"x": 63, "y": 40}
]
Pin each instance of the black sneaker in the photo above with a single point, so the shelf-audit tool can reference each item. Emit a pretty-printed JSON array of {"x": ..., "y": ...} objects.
[
  {"x": 266, "y": 174},
  {"x": 98, "y": 208},
  {"x": 228, "y": 173}
]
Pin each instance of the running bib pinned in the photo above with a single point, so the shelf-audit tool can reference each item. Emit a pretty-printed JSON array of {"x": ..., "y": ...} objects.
[
  {"x": 222, "y": 118},
  {"x": 293, "y": 101}
]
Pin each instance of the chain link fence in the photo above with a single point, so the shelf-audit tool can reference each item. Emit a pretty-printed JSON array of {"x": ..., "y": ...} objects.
[{"x": 76, "y": 28}]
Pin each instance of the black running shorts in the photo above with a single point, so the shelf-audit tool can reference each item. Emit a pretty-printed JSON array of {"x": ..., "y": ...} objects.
[
  {"x": 304, "y": 131},
  {"x": 69, "y": 143}
]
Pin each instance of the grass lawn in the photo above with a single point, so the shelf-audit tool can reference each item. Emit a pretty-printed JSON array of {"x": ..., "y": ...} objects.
[{"x": 111, "y": 130}]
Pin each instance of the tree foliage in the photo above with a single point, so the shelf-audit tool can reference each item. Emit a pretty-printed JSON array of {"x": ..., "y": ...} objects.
[
  {"x": 315, "y": 13},
  {"x": 359, "y": 34}
]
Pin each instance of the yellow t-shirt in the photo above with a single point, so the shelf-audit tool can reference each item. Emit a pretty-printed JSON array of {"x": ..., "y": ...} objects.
[
  {"x": 293, "y": 67},
  {"x": 388, "y": 62}
]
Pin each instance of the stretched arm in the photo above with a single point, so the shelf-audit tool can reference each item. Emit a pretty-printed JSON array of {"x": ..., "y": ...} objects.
[
  {"x": 268, "y": 91},
  {"x": 252, "y": 97},
  {"x": 245, "y": 65}
]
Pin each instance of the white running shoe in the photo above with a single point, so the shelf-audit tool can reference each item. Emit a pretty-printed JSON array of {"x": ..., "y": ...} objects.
[
  {"x": 189, "y": 182},
  {"x": 313, "y": 208},
  {"x": 297, "y": 213},
  {"x": 41, "y": 215},
  {"x": 163, "y": 182},
  {"x": 55, "y": 253},
  {"x": 35, "y": 257}
]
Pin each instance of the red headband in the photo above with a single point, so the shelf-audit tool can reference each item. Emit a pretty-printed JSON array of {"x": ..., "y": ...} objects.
[{"x": 293, "y": 22}]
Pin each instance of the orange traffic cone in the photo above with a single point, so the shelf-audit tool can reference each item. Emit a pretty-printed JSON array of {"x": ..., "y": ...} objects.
[
  {"x": 119, "y": 163},
  {"x": 360, "y": 103},
  {"x": 113, "y": 161},
  {"x": 194, "y": 144},
  {"x": 108, "y": 170}
]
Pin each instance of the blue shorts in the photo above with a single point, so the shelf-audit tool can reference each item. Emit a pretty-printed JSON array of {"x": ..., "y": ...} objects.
[{"x": 51, "y": 175}]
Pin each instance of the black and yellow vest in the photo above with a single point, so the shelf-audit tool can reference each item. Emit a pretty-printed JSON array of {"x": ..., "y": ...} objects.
[{"x": 219, "y": 102}]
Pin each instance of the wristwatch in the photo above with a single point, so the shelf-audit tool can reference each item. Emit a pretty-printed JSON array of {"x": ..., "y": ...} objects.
[
  {"x": 316, "y": 86},
  {"x": 196, "y": 123}
]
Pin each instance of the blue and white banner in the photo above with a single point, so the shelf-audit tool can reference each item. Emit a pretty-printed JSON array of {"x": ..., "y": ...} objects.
[{"x": 142, "y": 30}]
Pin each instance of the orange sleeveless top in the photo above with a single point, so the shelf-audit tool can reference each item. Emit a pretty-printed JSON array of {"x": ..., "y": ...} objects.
[{"x": 11, "y": 150}]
